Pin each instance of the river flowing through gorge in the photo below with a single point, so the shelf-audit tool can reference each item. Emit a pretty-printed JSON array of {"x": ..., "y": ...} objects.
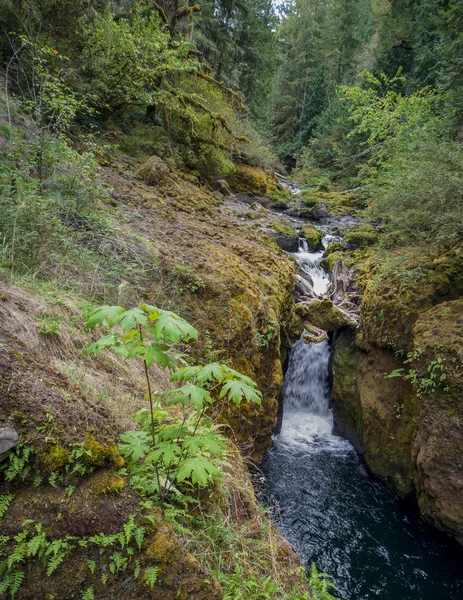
[{"x": 329, "y": 507}]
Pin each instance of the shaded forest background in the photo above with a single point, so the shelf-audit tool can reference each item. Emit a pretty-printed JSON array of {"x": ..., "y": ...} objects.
[{"x": 365, "y": 94}]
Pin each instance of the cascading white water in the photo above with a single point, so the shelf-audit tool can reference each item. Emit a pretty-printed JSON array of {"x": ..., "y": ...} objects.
[
  {"x": 307, "y": 417},
  {"x": 310, "y": 262}
]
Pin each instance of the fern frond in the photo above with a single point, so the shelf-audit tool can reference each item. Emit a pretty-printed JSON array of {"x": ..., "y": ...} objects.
[
  {"x": 151, "y": 575},
  {"x": 5, "y": 501}
]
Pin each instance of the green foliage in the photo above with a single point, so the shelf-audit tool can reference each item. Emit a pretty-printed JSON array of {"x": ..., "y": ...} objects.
[
  {"x": 318, "y": 44},
  {"x": 88, "y": 594},
  {"x": 5, "y": 501},
  {"x": 188, "y": 280},
  {"x": 125, "y": 59},
  {"x": 320, "y": 584},
  {"x": 237, "y": 39},
  {"x": 433, "y": 379},
  {"x": 115, "y": 552},
  {"x": 50, "y": 325},
  {"x": 151, "y": 575},
  {"x": 18, "y": 463},
  {"x": 240, "y": 562},
  {"x": 164, "y": 455}
]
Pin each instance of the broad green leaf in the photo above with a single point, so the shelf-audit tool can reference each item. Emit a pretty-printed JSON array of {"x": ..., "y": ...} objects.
[
  {"x": 169, "y": 327},
  {"x": 99, "y": 346},
  {"x": 186, "y": 373},
  {"x": 172, "y": 433},
  {"x": 196, "y": 394},
  {"x": 122, "y": 350},
  {"x": 153, "y": 311},
  {"x": 136, "y": 444},
  {"x": 212, "y": 371},
  {"x": 169, "y": 451},
  {"x": 156, "y": 353},
  {"x": 177, "y": 399},
  {"x": 110, "y": 313},
  {"x": 213, "y": 444},
  {"x": 209, "y": 443},
  {"x": 236, "y": 391},
  {"x": 131, "y": 318},
  {"x": 240, "y": 377},
  {"x": 199, "y": 469}
]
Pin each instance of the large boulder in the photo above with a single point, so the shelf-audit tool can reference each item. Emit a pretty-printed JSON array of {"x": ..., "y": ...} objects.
[
  {"x": 252, "y": 181},
  {"x": 286, "y": 237},
  {"x": 9, "y": 438},
  {"x": 319, "y": 212},
  {"x": 360, "y": 236},
  {"x": 324, "y": 315},
  {"x": 153, "y": 172}
]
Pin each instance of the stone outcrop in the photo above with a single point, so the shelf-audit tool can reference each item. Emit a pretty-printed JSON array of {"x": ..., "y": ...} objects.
[
  {"x": 398, "y": 384},
  {"x": 438, "y": 442},
  {"x": 324, "y": 315}
]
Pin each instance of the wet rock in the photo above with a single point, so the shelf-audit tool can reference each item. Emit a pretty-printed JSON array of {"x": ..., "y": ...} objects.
[
  {"x": 313, "y": 236},
  {"x": 319, "y": 211},
  {"x": 153, "y": 172},
  {"x": 284, "y": 234},
  {"x": 222, "y": 186},
  {"x": 262, "y": 200},
  {"x": 9, "y": 438},
  {"x": 303, "y": 290},
  {"x": 286, "y": 242},
  {"x": 303, "y": 213}
]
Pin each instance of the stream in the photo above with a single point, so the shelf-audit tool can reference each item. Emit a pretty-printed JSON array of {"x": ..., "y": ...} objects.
[{"x": 328, "y": 506}]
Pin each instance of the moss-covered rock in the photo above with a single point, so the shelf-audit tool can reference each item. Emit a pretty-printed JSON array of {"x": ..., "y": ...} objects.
[
  {"x": 360, "y": 236},
  {"x": 377, "y": 414},
  {"x": 438, "y": 442},
  {"x": 399, "y": 285},
  {"x": 332, "y": 258},
  {"x": 153, "y": 172},
  {"x": 313, "y": 236},
  {"x": 253, "y": 181},
  {"x": 286, "y": 237},
  {"x": 333, "y": 247},
  {"x": 324, "y": 315},
  {"x": 346, "y": 397}
]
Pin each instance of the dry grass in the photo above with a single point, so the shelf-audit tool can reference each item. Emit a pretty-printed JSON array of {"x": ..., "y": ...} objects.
[{"x": 110, "y": 380}]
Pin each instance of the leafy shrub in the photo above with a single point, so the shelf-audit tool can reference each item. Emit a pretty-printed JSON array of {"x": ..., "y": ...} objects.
[{"x": 164, "y": 455}]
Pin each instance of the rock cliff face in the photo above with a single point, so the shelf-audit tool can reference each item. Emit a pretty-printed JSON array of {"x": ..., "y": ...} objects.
[
  {"x": 438, "y": 442},
  {"x": 398, "y": 386}
]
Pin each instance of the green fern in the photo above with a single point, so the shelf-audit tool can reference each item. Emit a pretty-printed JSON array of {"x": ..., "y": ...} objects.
[
  {"x": 91, "y": 564},
  {"x": 151, "y": 576},
  {"x": 88, "y": 594},
  {"x": 55, "y": 562},
  {"x": 12, "y": 582},
  {"x": 5, "y": 501},
  {"x": 139, "y": 536},
  {"x": 129, "y": 529},
  {"x": 136, "y": 571}
]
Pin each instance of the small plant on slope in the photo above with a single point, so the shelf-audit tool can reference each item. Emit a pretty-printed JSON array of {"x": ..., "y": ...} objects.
[{"x": 164, "y": 454}]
